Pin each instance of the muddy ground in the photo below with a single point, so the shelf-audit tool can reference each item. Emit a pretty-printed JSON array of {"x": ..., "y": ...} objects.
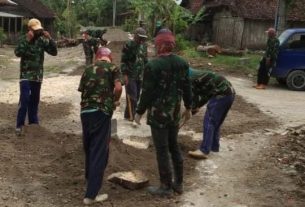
[{"x": 45, "y": 167}]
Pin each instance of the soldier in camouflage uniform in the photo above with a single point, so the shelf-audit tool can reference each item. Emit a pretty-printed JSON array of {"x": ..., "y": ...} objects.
[
  {"x": 134, "y": 58},
  {"x": 209, "y": 87},
  {"x": 88, "y": 50},
  {"x": 165, "y": 83},
  {"x": 31, "y": 48},
  {"x": 100, "y": 88},
  {"x": 90, "y": 46},
  {"x": 269, "y": 59}
]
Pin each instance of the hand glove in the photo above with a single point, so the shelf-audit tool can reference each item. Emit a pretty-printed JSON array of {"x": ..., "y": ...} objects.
[
  {"x": 137, "y": 118},
  {"x": 195, "y": 111}
]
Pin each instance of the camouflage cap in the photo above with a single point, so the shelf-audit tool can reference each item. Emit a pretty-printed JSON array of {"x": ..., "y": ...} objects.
[{"x": 140, "y": 32}]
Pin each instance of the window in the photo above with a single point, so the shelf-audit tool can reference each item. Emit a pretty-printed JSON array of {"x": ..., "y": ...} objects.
[{"x": 297, "y": 41}]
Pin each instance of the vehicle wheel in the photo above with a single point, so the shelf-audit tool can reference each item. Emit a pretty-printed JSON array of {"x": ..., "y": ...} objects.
[
  {"x": 281, "y": 81},
  {"x": 296, "y": 80}
]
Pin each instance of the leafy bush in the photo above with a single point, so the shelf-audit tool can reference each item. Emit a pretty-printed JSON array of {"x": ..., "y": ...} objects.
[{"x": 182, "y": 43}]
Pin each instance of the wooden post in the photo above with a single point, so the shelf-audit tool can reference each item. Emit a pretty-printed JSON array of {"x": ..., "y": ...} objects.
[
  {"x": 9, "y": 27},
  {"x": 114, "y": 13},
  {"x": 16, "y": 19}
]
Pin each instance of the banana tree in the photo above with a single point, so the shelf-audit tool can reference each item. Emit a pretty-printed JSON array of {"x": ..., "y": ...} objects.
[{"x": 168, "y": 12}]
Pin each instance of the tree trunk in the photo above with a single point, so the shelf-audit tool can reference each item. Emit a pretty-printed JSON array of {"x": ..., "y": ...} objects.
[{"x": 280, "y": 23}]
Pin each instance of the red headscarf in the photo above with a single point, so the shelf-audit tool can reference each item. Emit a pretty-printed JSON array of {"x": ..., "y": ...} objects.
[{"x": 165, "y": 42}]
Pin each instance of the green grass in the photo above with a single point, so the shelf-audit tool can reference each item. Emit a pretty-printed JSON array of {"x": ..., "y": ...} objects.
[
  {"x": 233, "y": 63},
  {"x": 192, "y": 53}
]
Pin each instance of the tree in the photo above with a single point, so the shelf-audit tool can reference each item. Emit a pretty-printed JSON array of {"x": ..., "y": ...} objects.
[
  {"x": 169, "y": 13},
  {"x": 280, "y": 24},
  {"x": 281, "y": 15}
]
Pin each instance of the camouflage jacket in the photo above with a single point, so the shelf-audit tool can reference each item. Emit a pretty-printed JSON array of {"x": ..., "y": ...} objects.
[
  {"x": 207, "y": 84},
  {"x": 166, "y": 82},
  {"x": 134, "y": 58},
  {"x": 90, "y": 46},
  {"x": 97, "y": 86},
  {"x": 88, "y": 50},
  {"x": 32, "y": 56},
  {"x": 272, "y": 49}
]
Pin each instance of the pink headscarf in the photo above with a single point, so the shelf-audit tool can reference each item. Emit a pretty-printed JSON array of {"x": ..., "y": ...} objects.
[{"x": 103, "y": 53}]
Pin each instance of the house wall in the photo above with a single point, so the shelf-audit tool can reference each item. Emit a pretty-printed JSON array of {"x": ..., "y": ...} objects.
[
  {"x": 13, "y": 27},
  {"x": 254, "y": 35},
  {"x": 227, "y": 30},
  {"x": 201, "y": 32},
  {"x": 296, "y": 24}
]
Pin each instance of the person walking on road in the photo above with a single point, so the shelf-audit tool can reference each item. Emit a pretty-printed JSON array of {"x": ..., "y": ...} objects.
[
  {"x": 100, "y": 88},
  {"x": 30, "y": 49},
  {"x": 215, "y": 90},
  {"x": 269, "y": 60},
  {"x": 166, "y": 82},
  {"x": 88, "y": 48},
  {"x": 134, "y": 58}
]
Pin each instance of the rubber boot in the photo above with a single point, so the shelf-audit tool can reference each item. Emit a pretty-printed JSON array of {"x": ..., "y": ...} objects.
[
  {"x": 162, "y": 191},
  {"x": 178, "y": 178}
]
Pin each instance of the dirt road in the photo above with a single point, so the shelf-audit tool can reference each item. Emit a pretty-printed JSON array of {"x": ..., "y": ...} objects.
[
  {"x": 244, "y": 173},
  {"x": 45, "y": 167}
]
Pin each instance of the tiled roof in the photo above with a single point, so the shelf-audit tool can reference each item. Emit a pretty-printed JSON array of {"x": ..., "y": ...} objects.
[
  {"x": 6, "y": 2},
  {"x": 36, "y": 7},
  {"x": 252, "y": 9}
]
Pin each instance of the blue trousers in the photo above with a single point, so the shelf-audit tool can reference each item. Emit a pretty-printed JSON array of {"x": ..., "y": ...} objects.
[
  {"x": 28, "y": 102},
  {"x": 216, "y": 112},
  {"x": 133, "y": 89},
  {"x": 96, "y": 137}
]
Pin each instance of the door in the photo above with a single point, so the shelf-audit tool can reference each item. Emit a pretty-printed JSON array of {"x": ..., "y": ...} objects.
[{"x": 291, "y": 55}]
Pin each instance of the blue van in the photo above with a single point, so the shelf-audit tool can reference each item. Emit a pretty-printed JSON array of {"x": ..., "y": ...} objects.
[{"x": 290, "y": 65}]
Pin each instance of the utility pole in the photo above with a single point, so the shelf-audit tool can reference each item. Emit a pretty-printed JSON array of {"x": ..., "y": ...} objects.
[
  {"x": 114, "y": 13},
  {"x": 280, "y": 19}
]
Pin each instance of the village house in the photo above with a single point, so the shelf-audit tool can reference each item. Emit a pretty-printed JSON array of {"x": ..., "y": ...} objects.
[
  {"x": 14, "y": 13},
  {"x": 240, "y": 23}
]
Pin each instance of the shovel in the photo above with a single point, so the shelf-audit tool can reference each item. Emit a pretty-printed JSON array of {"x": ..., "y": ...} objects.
[{"x": 114, "y": 128}]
